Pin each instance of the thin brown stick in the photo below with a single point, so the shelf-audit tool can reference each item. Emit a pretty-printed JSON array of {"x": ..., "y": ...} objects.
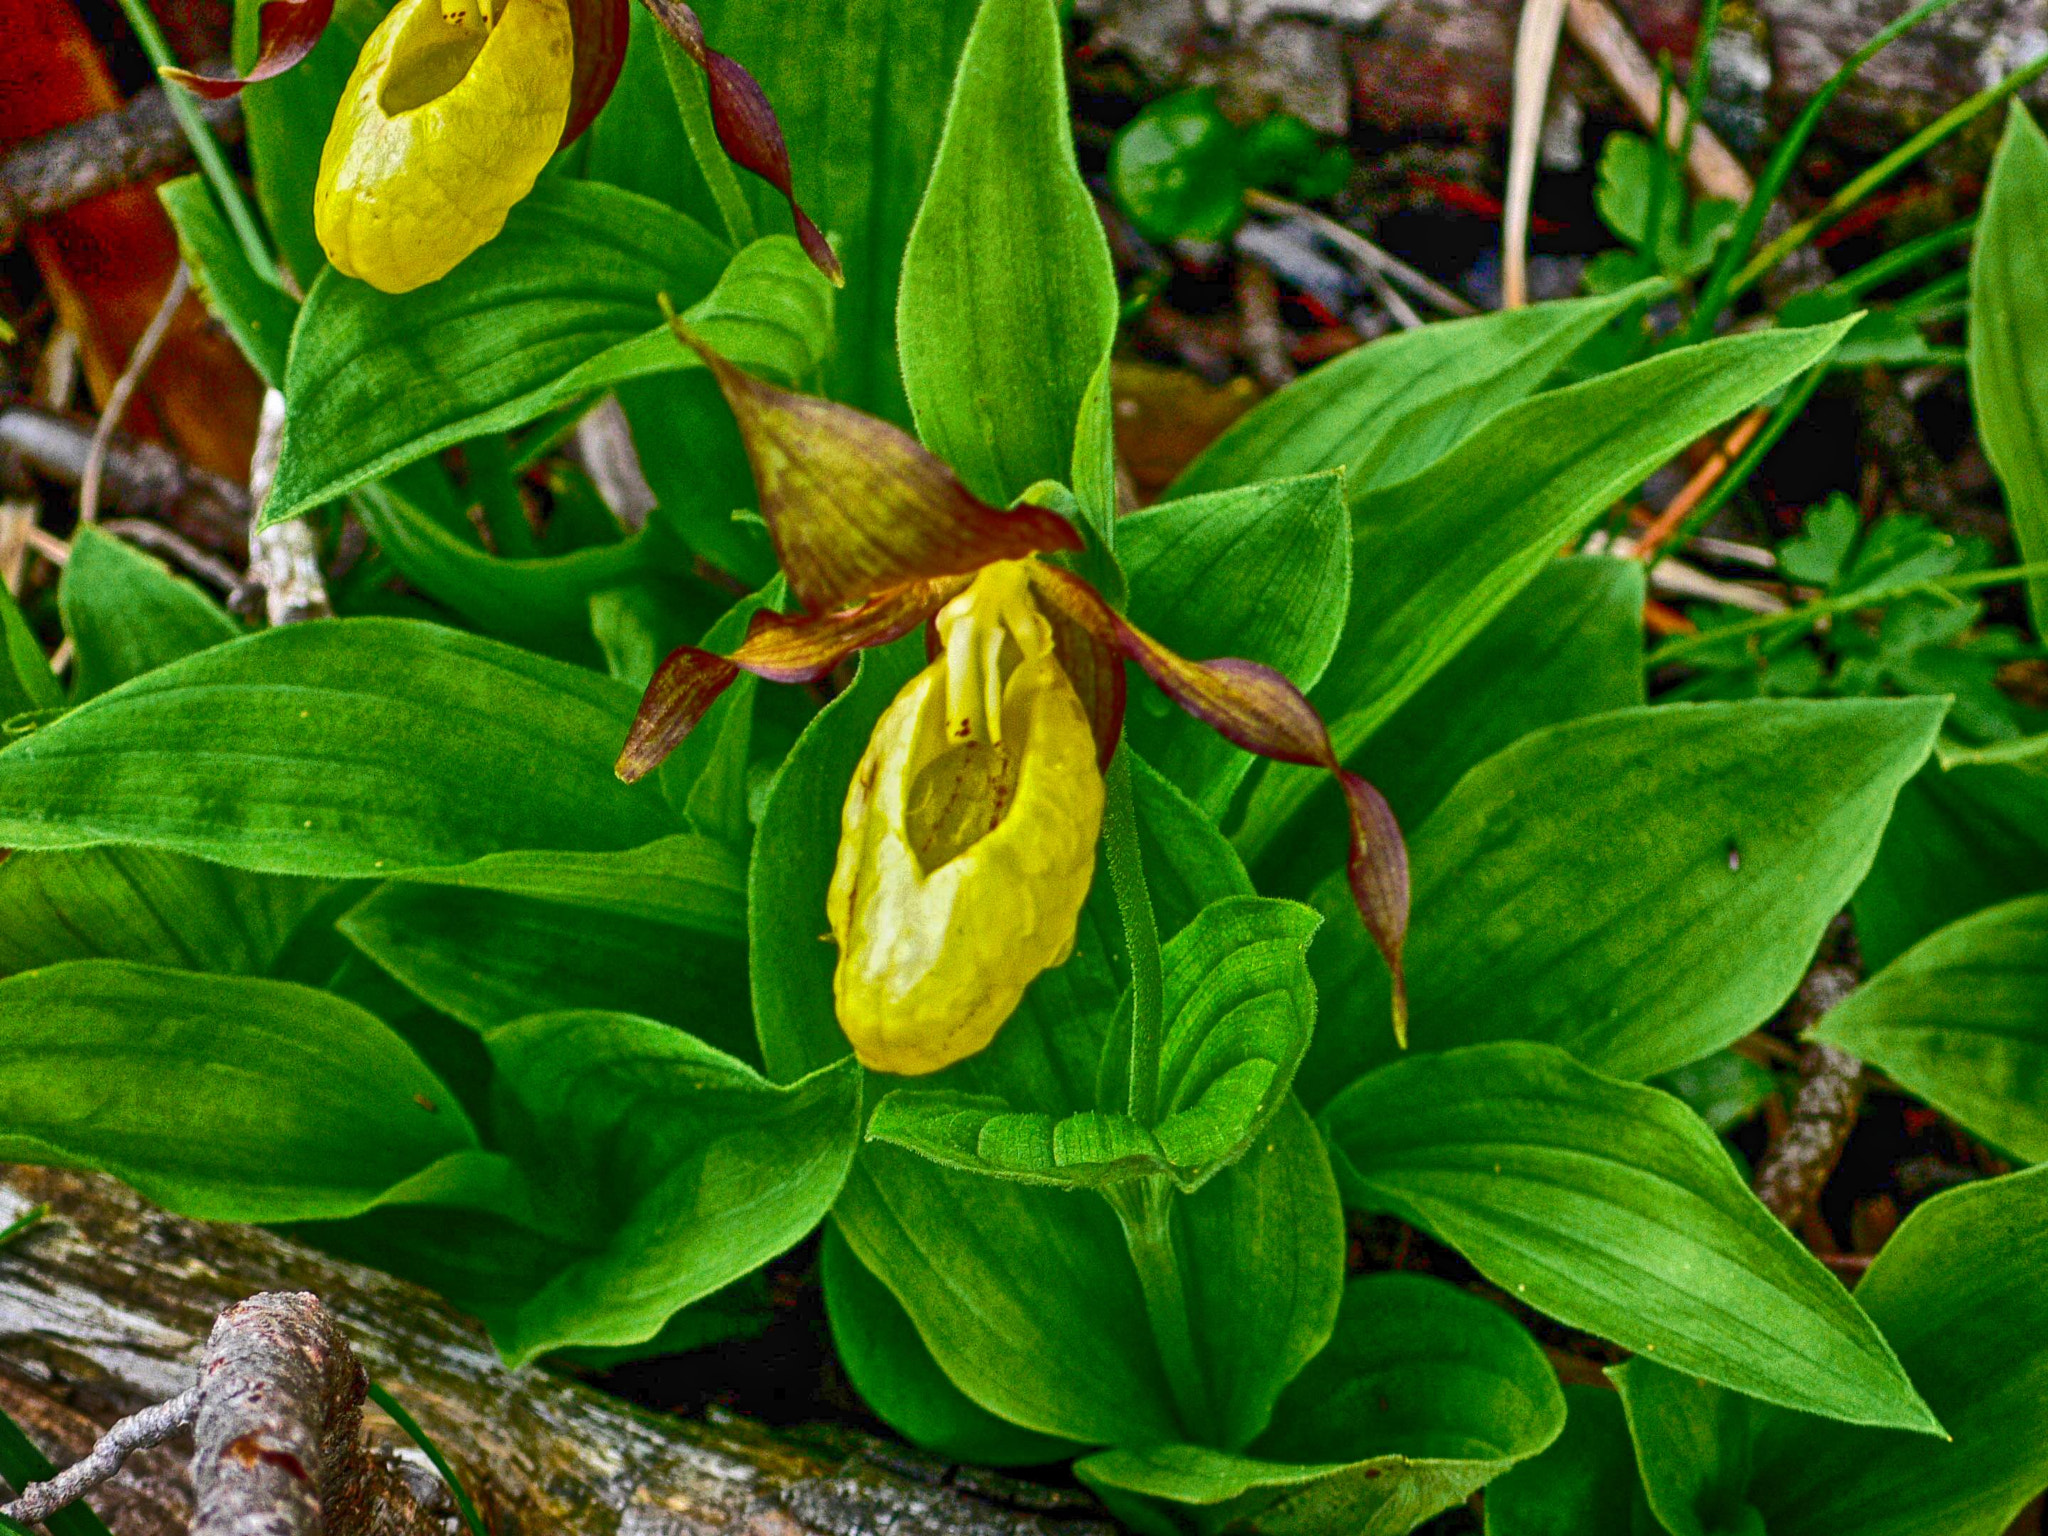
[
  {"x": 82, "y": 160},
  {"x": 137, "y": 1432},
  {"x": 1606, "y": 39},
  {"x": 1797, "y": 1163},
  {"x": 123, "y": 392},
  {"x": 1372, "y": 257},
  {"x": 1535, "y": 57},
  {"x": 159, "y": 540},
  {"x": 1261, "y": 335},
  {"x": 138, "y": 477},
  {"x": 1695, "y": 490}
]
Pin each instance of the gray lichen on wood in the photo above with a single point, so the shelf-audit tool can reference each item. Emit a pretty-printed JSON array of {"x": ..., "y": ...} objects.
[{"x": 107, "y": 1308}]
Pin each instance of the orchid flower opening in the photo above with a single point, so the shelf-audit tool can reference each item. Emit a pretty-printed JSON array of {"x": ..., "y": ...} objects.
[{"x": 968, "y": 837}]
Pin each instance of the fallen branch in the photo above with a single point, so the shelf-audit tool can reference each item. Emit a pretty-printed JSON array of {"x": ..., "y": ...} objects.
[
  {"x": 108, "y": 1306},
  {"x": 81, "y": 161},
  {"x": 137, "y": 1432},
  {"x": 140, "y": 478},
  {"x": 1797, "y": 1164}
]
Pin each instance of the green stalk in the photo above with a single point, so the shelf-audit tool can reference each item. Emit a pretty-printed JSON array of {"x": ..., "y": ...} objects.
[
  {"x": 1714, "y": 298},
  {"x": 405, "y": 1421},
  {"x": 1896, "y": 263},
  {"x": 493, "y": 484},
  {"x": 1944, "y": 127},
  {"x": 1849, "y": 602},
  {"x": 1738, "y": 474},
  {"x": 205, "y": 147},
  {"x": 1141, "y": 937},
  {"x": 693, "y": 101},
  {"x": 1146, "y": 1210}
]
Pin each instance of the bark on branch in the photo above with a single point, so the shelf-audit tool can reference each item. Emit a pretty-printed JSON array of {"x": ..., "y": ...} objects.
[{"x": 107, "y": 1309}]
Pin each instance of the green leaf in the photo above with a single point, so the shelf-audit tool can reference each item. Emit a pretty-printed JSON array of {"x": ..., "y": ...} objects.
[
  {"x": 1584, "y": 1485},
  {"x": 560, "y": 306},
  {"x": 1262, "y": 573},
  {"x": 1238, "y": 1006},
  {"x": 1569, "y": 645},
  {"x": 355, "y": 748},
  {"x": 1641, "y": 888},
  {"x": 1450, "y": 547},
  {"x": 1174, "y": 169},
  {"x": 1394, "y": 406},
  {"x": 127, "y": 615},
  {"x": 226, "y": 1098},
  {"x": 1009, "y": 302},
  {"x": 27, "y": 685},
  {"x": 897, "y": 1377},
  {"x": 1423, "y": 1395},
  {"x": 861, "y": 88},
  {"x": 257, "y": 313},
  {"x": 489, "y": 957},
  {"x": 1692, "y": 1449},
  {"x": 697, "y": 1168},
  {"x": 1957, "y": 1291},
  {"x": 143, "y": 905},
  {"x": 1028, "y": 1301},
  {"x": 686, "y": 880},
  {"x": 1612, "y": 1208},
  {"x": 1962, "y": 839},
  {"x": 2008, "y": 317},
  {"x": 1961, "y": 1019}
]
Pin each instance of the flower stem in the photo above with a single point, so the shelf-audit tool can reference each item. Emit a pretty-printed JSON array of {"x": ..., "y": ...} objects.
[
  {"x": 213, "y": 161},
  {"x": 1145, "y": 1208},
  {"x": 1141, "y": 936}
]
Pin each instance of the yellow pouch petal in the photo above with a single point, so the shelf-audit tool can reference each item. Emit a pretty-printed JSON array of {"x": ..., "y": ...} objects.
[
  {"x": 968, "y": 840},
  {"x": 445, "y": 124}
]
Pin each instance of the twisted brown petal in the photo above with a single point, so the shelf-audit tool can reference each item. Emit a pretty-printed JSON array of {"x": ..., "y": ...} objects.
[
  {"x": 779, "y": 647},
  {"x": 856, "y": 507},
  {"x": 1260, "y": 710},
  {"x": 602, "y": 28},
  {"x": 746, "y": 124},
  {"x": 286, "y": 31}
]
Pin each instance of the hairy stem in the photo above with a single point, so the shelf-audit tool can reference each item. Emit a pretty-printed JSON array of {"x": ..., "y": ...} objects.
[{"x": 1146, "y": 1210}]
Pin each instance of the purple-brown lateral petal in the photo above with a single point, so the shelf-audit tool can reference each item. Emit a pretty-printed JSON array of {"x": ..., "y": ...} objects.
[
  {"x": 1260, "y": 710},
  {"x": 856, "y": 507},
  {"x": 286, "y": 31},
  {"x": 779, "y": 647},
  {"x": 746, "y": 125},
  {"x": 601, "y": 28}
]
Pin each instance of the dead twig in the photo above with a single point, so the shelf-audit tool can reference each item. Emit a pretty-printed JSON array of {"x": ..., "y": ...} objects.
[
  {"x": 82, "y": 160},
  {"x": 123, "y": 392},
  {"x": 1371, "y": 257},
  {"x": 1261, "y": 335},
  {"x": 1535, "y": 58},
  {"x": 284, "y": 558},
  {"x": 137, "y": 477},
  {"x": 1606, "y": 39},
  {"x": 138, "y": 1432},
  {"x": 1798, "y": 1162},
  {"x": 1695, "y": 491},
  {"x": 159, "y": 540}
]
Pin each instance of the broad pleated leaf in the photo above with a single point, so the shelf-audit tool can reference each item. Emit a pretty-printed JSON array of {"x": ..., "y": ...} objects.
[
  {"x": 1614, "y": 1209},
  {"x": 1009, "y": 302},
  {"x": 355, "y": 748}
]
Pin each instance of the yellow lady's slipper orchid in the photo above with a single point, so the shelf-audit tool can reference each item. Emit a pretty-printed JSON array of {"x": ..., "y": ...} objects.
[
  {"x": 968, "y": 839},
  {"x": 967, "y": 842},
  {"x": 450, "y": 116}
]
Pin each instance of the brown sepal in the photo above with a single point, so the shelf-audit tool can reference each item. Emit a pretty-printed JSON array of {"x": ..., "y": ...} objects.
[
  {"x": 746, "y": 125},
  {"x": 601, "y": 28},
  {"x": 286, "y": 31},
  {"x": 782, "y": 648},
  {"x": 1260, "y": 710},
  {"x": 856, "y": 507}
]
